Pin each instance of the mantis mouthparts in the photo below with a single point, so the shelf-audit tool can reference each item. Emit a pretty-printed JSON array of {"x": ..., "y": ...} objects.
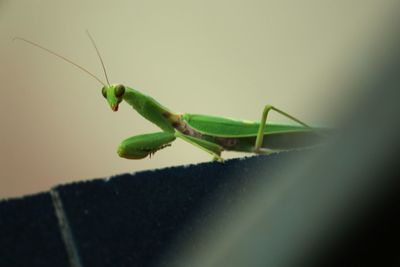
[{"x": 114, "y": 107}]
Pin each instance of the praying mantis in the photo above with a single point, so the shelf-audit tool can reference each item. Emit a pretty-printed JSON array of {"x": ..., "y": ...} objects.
[{"x": 209, "y": 133}]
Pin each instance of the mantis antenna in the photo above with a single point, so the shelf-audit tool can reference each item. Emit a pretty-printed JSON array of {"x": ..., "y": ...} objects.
[
  {"x": 60, "y": 56},
  {"x": 98, "y": 54}
]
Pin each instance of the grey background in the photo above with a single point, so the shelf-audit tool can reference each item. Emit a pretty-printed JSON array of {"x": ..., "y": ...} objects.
[{"x": 226, "y": 58}]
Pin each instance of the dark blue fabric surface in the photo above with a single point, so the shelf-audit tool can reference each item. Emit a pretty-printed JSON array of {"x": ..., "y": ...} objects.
[
  {"x": 132, "y": 220},
  {"x": 128, "y": 220},
  {"x": 29, "y": 233}
]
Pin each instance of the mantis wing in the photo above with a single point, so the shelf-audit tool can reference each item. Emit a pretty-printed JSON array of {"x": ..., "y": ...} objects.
[
  {"x": 226, "y": 127},
  {"x": 277, "y": 136}
]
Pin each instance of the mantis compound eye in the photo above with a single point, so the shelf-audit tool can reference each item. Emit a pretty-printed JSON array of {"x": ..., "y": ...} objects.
[
  {"x": 119, "y": 90},
  {"x": 104, "y": 92}
]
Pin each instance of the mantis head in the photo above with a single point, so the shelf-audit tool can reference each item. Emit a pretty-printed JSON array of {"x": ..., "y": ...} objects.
[{"x": 113, "y": 94}]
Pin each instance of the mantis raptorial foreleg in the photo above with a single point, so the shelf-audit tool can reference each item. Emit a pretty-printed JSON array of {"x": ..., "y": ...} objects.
[
  {"x": 261, "y": 130},
  {"x": 211, "y": 148},
  {"x": 141, "y": 146}
]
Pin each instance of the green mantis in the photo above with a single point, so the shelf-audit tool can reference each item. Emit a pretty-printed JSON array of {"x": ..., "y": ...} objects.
[{"x": 209, "y": 133}]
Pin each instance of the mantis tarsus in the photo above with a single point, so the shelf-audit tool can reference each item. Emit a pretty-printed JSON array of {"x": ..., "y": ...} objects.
[{"x": 209, "y": 133}]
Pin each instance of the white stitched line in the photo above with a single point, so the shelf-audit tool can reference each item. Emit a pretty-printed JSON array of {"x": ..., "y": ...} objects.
[{"x": 65, "y": 229}]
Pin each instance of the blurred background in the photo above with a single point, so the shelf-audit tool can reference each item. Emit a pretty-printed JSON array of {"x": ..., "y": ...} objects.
[{"x": 226, "y": 58}]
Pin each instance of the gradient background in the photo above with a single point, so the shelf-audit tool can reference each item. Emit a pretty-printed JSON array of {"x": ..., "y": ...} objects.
[{"x": 226, "y": 58}]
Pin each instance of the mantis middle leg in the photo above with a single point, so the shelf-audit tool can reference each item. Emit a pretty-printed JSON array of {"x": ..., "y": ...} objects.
[
  {"x": 211, "y": 148},
  {"x": 261, "y": 130}
]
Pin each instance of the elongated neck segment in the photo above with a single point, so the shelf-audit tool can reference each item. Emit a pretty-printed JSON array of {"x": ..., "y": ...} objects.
[{"x": 150, "y": 109}]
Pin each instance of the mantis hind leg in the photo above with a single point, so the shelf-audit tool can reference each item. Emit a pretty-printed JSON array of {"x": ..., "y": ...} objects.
[
  {"x": 141, "y": 146},
  {"x": 261, "y": 130}
]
